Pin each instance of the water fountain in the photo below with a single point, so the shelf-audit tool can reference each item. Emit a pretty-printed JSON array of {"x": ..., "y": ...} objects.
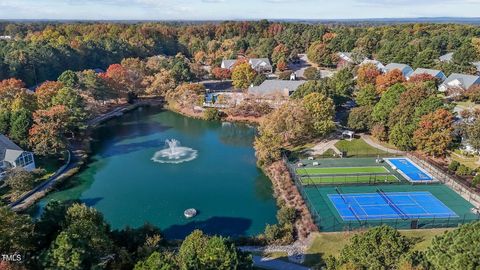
[{"x": 174, "y": 153}]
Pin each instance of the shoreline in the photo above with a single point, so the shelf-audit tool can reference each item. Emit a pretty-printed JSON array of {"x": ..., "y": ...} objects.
[{"x": 79, "y": 150}]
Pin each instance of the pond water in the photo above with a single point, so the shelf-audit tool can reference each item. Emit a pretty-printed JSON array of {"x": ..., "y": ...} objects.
[{"x": 232, "y": 196}]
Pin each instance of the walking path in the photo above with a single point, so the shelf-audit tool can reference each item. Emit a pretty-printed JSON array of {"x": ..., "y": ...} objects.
[
  {"x": 26, "y": 200},
  {"x": 275, "y": 264},
  {"x": 371, "y": 142},
  {"x": 323, "y": 147}
]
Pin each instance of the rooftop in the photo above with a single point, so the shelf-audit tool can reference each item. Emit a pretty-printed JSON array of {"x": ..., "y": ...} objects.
[
  {"x": 8, "y": 149},
  {"x": 275, "y": 87}
]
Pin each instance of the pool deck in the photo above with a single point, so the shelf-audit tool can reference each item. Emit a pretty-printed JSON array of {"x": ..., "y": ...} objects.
[{"x": 408, "y": 178}]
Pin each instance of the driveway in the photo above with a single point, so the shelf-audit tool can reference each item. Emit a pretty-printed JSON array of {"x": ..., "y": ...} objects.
[{"x": 275, "y": 264}]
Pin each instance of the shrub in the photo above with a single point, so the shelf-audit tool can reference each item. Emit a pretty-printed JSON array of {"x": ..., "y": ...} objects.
[
  {"x": 379, "y": 132},
  {"x": 285, "y": 75},
  {"x": 463, "y": 170},
  {"x": 311, "y": 73},
  {"x": 212, "y": 114},
  {"x": 453, "y": 166},
  {"x": 259, "y": 79},
  {"x": 476, "y": 180}
]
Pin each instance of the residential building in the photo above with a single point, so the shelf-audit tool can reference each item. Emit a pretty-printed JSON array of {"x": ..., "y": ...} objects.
[
  {"x": 432, "y": 72},
  {"x": 344, "y": 59},
  {"x": 12, "y": 156},
  {"x": 376, "y": 63},
  {"x": 459, "y": 81},
  {"x": 477, "y": 66},
  {"x": 275, "y": 88},
  {"x": 446, "y": 57},
  {"x": 405, "y": 69},
  {"x": 260, "y": 65}
]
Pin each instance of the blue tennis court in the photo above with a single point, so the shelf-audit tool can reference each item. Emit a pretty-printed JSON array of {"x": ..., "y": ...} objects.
[
  {"x": 409, "y": 170},
  {"x": 389, "y": 205}
]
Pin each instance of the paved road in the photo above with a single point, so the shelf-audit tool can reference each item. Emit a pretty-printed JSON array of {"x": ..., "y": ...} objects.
[{"x": 275, "y": 264}]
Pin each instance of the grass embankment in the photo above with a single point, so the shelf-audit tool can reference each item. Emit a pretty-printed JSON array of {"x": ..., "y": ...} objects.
[
  {"x": 326, "y": 244},
  {"x": 342, "y": 170},
  {"x": 358, "y": 148},
  {"x": 356, "y": 179},
  {"x": 472, "y": 162}
]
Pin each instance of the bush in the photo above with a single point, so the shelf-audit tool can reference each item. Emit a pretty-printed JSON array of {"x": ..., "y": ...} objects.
[
  {"x": 285, "y": 75},
  {"x": 463, "y": 170},
  {"x": 379, "y": 132},
  {"x": 476, "y": 180},
  {"x": 311, "y": 73},
  {"x": 259, "y": 79},
  {"x": 453, "y": 166},
  {"x": 212, "y": 114}
]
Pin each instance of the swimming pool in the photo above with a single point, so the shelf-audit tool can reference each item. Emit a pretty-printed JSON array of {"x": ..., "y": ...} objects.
[{"x": 409, "y": 170}]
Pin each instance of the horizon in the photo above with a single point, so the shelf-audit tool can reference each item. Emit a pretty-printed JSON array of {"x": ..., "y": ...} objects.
[{"x": 221, "y": 10}]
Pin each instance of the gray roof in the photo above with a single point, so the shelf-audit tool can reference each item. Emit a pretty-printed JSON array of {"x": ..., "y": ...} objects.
[
  {"x": 446, "y": 57},
  {"x": 228, "y": 63},
  {"x": 275, "y": 87},
  {"x": 432, "y": 72},
  {"x": 9, "y": 151},
  {"x": 405, "y": 69},
  {"x": 347, "y": 56},
  {"x": 255, "y": 62},
  {"x": 465, "y": 80}
]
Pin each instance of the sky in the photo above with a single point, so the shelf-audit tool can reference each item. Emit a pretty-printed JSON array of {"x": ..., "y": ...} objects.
[{"x": 234, "y": 9}]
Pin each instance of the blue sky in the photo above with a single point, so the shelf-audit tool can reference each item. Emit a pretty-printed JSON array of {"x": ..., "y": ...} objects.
[{"x": 234, "y": 9}]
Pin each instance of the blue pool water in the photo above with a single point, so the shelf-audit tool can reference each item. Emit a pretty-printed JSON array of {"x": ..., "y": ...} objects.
[
  {"x": 389, "y": 205},
  {"x": 409, "y": 170}
]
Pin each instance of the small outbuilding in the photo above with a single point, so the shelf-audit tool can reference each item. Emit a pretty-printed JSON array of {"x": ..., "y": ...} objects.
[{"x": 348, "y": 134}]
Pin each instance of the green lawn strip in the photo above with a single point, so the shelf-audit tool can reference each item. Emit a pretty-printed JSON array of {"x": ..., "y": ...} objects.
[
  {"x": 358, "y": 147},
  {"x": 342, "y": 170},
  {"x": 349, "y": 179}
]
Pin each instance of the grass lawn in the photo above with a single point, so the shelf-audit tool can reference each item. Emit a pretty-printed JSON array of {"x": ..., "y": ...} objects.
[
  {"x": 467, "y": 104},
  {"x": 358, "y": 147},
  {"x": 326, "y": 244},
  {"x": 471, "y": 162},
  {"x": 350, "y": 179},
  {"x": 342, "y": 170}
]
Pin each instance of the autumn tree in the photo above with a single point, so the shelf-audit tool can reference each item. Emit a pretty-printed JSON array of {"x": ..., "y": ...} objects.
[
  {"x": 221, "y": 73},
  {"x": 321, "y": 54},
  {"x": 75, "y": 105},
  {"x": 47, "y": 135},
  {"x": 367, "y": 74},
  {"x": 243, "y": 75},
  {"x": 19, "y": 181},
  {"x": 9, "y": 89},
  {"x": 321, "y": 110},
  {"x": 384, "y": 81},
  {"x": 473, "y": 134},
  {"x": 161, "y": 83},
  {"x": 45, "y": 93},
  {"x": 434, "y": 133},
  {"x": 96, "y": 86},
  {"x": 16, "y": 231},
  {"x": 312, "y": 73},
  {"x": 360, "y": 118}
]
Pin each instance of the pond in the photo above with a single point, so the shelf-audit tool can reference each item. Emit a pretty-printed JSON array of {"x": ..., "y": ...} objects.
[{"x": 219, "y": 177}]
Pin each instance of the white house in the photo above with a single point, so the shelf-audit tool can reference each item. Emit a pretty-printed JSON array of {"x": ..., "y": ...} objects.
[
  {"x": 432, "y": 72},
  {"x": 260, "y": 65},
  {"x": 376, "y": 63},
  {"x": 457, "y": 80},
  {"x": 12, "y": 156},
  {"x": 405, "y": 69}
]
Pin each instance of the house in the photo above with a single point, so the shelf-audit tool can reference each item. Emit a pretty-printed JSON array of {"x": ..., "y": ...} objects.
[
  {"x": 376, "y": 63},
  {"x": 344, "y": 59},
  {"x": 228, "y": 64},
  {"x": 477, "y": 66},
  {"x": 405, "y": 69},
  {"x": 260, "y": 65},
  {"x": 12, "y": 156},
  {"x": 462, "y": 81},
  {"x": 446, "y": 57},
  {"x": 273, "y": 88},
  {"x": 432, "y": 72}
]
